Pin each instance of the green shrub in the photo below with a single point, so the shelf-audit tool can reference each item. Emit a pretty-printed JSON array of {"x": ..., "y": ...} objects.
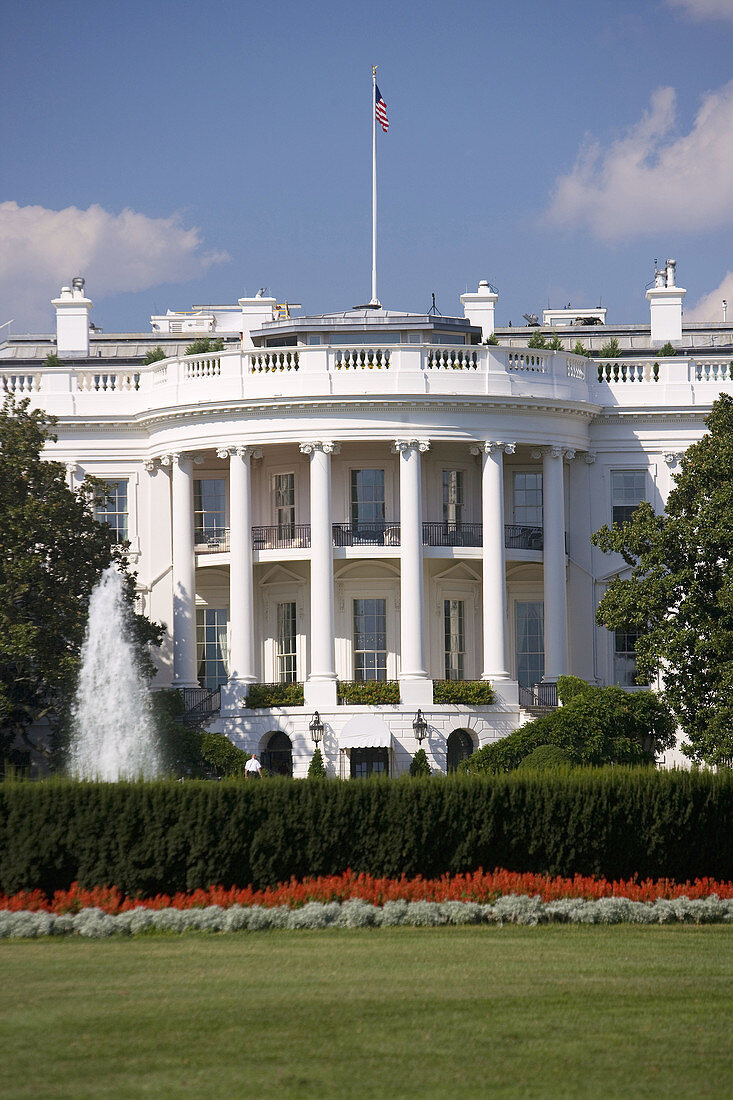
[
  {"x": 205, "y": 346},
  {"x": 316, "y": 768},
  {"x": 666, "y": 350},
  {"x": 492, "y": 340},
  {"x": 555, "y": 344},
  {"x": 537, "y": 340},
  {"x": 223, "y": 757},
  {"x": 595, "y": 726},
  {"x": 264, "y": 696},
  {"x": 478, "y": 693},
  {"x": 546, "y": 756},
  {"x": 166, "y": 836},
  {"x": 610, "y": 350},
  {"x": 368, "y": 692},
  {"x": 419, "y": 764},
  {"x": 579, "y": 349},
  {"x": 52, "y": 360},
  {"x": 154, "y": 355}
]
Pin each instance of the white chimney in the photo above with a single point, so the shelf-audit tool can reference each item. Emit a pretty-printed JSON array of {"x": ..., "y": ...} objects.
[
  {"x": 255, "y": 312},
  {"x": 478, "y": 307},
  {"x": 72, "y": 320},
  {"x": 665, "y": 306}
]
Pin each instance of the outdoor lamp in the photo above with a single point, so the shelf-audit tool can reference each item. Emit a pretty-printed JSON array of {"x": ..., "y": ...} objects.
[
  {"x": 420, "y": 727},
  {"x": 316, "y": 728}
]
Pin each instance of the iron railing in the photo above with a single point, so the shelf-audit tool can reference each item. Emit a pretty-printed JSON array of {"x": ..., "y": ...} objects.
[
  {"x": 212, "y": 542},
  {"x": 200, "y": 702},
  {"x": 452, "y": 534},
  {"x": 539, "y": 696},
  {"x": 288, "y": 536},
  {"x": 519, "y": 537},
  {"x": 371, "y": 533}
]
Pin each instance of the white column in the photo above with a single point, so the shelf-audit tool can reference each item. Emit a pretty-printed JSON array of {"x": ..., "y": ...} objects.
[
  {"x": 555, "y": 585},
  {"x": 320, "y": 687},
  {"x": 415, "y": 687},
  {"x": 184, "y": 571},
  {"x": 241, "y": 585},
  {"x": 494, "y": 570}
]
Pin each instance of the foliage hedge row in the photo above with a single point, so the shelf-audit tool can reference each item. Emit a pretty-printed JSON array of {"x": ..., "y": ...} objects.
[
  {"x": 478, "y": 693},
  {"x": 274, "y": 695},
  {"x": 368, "y": 692},
  {"x": 167, "y": 836}
]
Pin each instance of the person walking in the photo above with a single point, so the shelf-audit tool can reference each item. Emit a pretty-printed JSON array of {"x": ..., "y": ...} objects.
[{"x": 253, "y": 768}]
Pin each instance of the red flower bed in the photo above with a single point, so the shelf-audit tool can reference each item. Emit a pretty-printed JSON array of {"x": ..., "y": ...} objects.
[{"x": 479, "y": 886}]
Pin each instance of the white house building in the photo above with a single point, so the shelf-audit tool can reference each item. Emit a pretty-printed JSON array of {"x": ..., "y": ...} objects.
[{"x": 374, "y": 496}]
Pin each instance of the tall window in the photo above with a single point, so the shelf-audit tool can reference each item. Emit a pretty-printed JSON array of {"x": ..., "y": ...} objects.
[
  {"x": 284, "y": 494},
  {"x": 211, "y": 646},
  {"x": 530, "y": 642},
  {"x": 209, "y": 509},
  {"x": 624, "y": 658},
  {"x": 287, "y": 660},
  {"x": 528, "y": 499},
  {"x": 455, "y": 639},
  {"x": 452, "y": 496},
  {"x": 368, "y": 762},
  {"x": 113, "y": 509},
  {"x": 628, "y": 490},
  {"x": 367, "y": 496},
  {"x": 370, "y": 639}
]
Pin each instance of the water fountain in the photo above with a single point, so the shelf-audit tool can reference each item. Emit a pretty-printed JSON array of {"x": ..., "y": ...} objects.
[{"x": 114, "y": 734}]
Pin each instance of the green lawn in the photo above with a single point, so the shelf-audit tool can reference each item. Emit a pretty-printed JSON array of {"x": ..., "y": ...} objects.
[{"x": 530, "y": 1012}]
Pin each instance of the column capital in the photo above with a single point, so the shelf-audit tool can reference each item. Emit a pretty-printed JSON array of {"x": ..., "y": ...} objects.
[
  {"x": 552, "y": 452},
  {"x": 240, "y": 450},
  {"x": 327, "y": 446},
  {"x": 401, "y": 445},
  {"x": 589, "y": 457},
  {"x": 487, "y": 446},
  {"x": 177, "y": 458},
  {"x": 71, "y": 468},
  {"x": 673, "y": 457},
  {"x": 151, "y": 465}
]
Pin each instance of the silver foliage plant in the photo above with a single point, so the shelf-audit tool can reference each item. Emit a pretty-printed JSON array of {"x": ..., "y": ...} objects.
[{"x": 510, "y": 909}]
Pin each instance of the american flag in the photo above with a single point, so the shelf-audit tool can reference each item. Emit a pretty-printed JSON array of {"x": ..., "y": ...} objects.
[{"x": 381, "y": 108}]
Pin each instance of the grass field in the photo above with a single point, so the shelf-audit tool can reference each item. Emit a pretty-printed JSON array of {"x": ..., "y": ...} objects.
[{"x": 505, "y": 1012}]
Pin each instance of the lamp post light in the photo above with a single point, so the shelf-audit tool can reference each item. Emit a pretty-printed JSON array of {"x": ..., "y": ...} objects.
[
  {"x": 316, "y": 728},
  {"x": 420, "y": 727}
]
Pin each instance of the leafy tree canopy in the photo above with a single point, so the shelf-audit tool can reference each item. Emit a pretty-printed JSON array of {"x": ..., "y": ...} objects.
[
  {"x": 679, "y": 594},
  {"x": 595, "y": 726},
  {"x": 204, "y": 346},
  {"x": 610, "y": 350},
  {"x": 666, "y": 349},
  {"x": 579, "y": 349},
  {"x": 537, "y": 340},
  {"x": 154, "y": 355},
  {"x": 316, "y": 768},
  {"x": 52, "y": 551}
]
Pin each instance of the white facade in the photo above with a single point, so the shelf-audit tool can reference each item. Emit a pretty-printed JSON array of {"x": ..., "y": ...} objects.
[{"x": 373, "y": 494}]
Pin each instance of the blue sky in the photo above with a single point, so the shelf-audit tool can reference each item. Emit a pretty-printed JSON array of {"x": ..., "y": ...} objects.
[{"x": 191, "y": 152}]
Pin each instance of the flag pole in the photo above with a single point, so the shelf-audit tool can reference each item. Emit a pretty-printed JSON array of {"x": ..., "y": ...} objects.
[{"x": 375, "y": 300}]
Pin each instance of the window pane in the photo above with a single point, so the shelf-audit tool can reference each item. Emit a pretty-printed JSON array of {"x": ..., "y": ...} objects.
[
  {"x": 209, "y": 508},
  {"x": 455, "y": 644},
  {"x": 211, "y": 646},
  {"x": 528, "y": 499},
  {"x": 286, "y": 643},
  {"x": 530, "y": 623},
  {"x": 367, "y": 496},
  {"x": 370, "y": 639},
  {"x": 113, "y": 510},
  {"x": 628, "y": 490},
  {"x": 624, "y": 658},
  {"x": 452, "y": 496}
]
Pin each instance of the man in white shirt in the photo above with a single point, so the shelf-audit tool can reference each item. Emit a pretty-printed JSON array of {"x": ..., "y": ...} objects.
[{"x": 253, "y": 768}]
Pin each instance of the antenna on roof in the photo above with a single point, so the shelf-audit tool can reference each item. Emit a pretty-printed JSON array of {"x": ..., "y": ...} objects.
[{"x": 434, "y": 311}]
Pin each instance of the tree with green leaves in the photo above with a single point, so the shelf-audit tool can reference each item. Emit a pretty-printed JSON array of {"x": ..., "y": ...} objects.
[
  {"x": 678, "y": 596},
  {"x": 537, "y": 339},
  {"x": 205, "y": 346},
  {"x": 316, "y": 768},
  {"x": 154, "y": 355},
  {"x": 594, "y": 726},
  {"x": 419, "y": 765},
  {"x": 580, "y": 349},
  {"x": 52, "y": 552},
  {"x": 610, "y": 350}
]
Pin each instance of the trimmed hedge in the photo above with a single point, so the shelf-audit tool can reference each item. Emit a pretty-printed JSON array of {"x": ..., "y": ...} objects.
[
  {"x": 167, "y": 836},
  {"x": 368, "y": 692},
  {"x": 263, "y": 696},
  {"x": 479, "y": 693}
]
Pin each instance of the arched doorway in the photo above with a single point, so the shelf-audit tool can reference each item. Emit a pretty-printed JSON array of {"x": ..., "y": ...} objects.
[
  {"x": 460, "y": 746},
  {"x": 278, "y": 756}
]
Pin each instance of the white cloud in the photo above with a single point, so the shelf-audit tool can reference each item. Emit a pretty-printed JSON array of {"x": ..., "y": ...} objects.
[
  {"x": 650, "y": 181},
  {"x": 705, "y": 9},
  {"x": 710, "y": 306},
  {"x": 42, "y": 249}
]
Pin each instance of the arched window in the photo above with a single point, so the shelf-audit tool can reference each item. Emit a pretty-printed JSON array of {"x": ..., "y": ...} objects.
[
  {"x": 460, "y": 746},
  {"x": 278, "y": 756}
]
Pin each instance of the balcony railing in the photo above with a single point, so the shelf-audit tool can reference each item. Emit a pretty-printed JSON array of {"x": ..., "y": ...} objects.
[
  {"x": 372, "y": 533},
  {"x": 288, "y": 536},
  {"x": 519, "y": 537},
  {"x": 451, "y": 534},
  {"x": 538, "y": 697},
  {"x": 297, "y": 536}
]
